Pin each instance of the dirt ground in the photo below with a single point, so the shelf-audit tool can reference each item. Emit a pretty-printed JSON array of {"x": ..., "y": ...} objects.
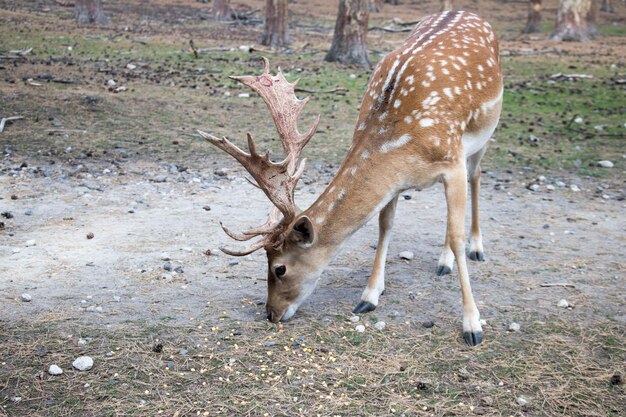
[{"x": 116, "y": 243}]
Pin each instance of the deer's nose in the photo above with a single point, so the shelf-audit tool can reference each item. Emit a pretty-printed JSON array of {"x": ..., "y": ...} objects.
[{"x": 271, "y": 315}]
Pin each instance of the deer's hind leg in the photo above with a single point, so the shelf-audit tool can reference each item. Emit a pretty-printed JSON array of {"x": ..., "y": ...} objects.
[
  {"x": 476, "y": 251},
  {"x": 376, "y": 283}
]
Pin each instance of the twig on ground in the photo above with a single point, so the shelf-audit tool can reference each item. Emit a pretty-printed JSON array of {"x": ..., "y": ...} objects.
[
  {"x": 389, "y": 29},
  {"x": 331, "y": 91},
  {"x": 557, "y": 284},
  {"x": 8, "y": 119}
]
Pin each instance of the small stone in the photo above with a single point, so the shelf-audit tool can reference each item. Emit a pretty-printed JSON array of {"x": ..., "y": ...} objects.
[
  {"x": 27, "y": 298},
  {"x": 560, "y": 184},
  {"x": 28, "y": 213},
  {"x": 90, "y": 235},
  {"x": 407, "y": 255},
  {"x": 521, "y": 401},
  {"x": 170, "y": 364},
  {"x": 533, "y": 187},
  {"x": 16, "y": 250},
  {"x": 574, "y": 188},
  {"x": 352, "y": 76},
  {"x": 83, "y": 363},
  {"x": 428, "y": 324},
  {"x": 563, "y": 303},
  {"x": 30, "y": 243},
  {"x": 221, "y": 172},
  {"x": 206, "y": 208},
  {"x": 355, "y": 319},
  {"x": 131, "y": 66},
  {"x": 158, "y": 348},
  {"x": 514, "y": 327},
  {"x": 165, "y": 256},
  {"x": 243, "y": 95},
  {"x": 183, "y": 352},
  {"x": 117, "y": 298},
  {"x": 380, "y": 325},
  {"x": 167, "y": 266},
  {"x": 550, "y": 187},
  {"x": 605, "y": 164},
  {"x": 179, "y": 270},
  {"x": 616, "y": 379},
  {"x": 269, "y": 344},
  {"x": 81, "y": 342},
  {"x": 16, "y": 399},
  {"x": 159, "y": 178},
  {"x": 578, "y": 120},
  {"x": 55, "y": 370},
  {"x": 111, "y": 83},
  {"x": 483, "y": 322},
  {"x": 360, "y": 328}
]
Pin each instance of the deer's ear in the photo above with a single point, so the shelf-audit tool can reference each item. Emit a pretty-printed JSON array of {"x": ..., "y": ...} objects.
[{"x": 302, "y": 232}]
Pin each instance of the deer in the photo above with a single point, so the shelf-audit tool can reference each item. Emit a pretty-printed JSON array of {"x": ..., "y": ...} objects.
[{"x": 429, "y": 110}]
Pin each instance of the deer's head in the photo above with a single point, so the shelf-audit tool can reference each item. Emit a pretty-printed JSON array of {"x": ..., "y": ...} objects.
[{"x": 294, "y": 260}]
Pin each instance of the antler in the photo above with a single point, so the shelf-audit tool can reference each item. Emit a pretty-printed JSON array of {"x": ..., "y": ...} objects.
[{"x": 277, "y": 180}]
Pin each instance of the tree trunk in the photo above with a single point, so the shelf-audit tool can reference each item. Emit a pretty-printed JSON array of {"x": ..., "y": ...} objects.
[
  {"x": 350, "y": 39},
  {"x": 393, "y": 2},
  {"x": 275, "y": 34},
  {"x": 90, "y": 11},
  {"x": 376, "y": 6},
  {"x": 221, "y": 10},
  {"x": 575, "y": 21},
  {"x": 533, "y": 24},
  {"x": 446, "y": 5},
  {"x": 606, "y": 6}
]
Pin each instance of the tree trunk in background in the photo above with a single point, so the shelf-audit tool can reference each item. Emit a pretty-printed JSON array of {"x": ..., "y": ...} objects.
[
  {"x": 376, "y": 6},
  {"x": 575, "y": 21},
  {"x": 350, "y": 38},
  {"x": 275, "y": 34},
  {"x": 446, "y": 5},
  {"x": 393, "y": 2},
  {"x": 606, "y": 6},
  {"x": 90, "y": 11},
  {"x": 533, "y": 24},
  {"x": 221, "y": 10}
]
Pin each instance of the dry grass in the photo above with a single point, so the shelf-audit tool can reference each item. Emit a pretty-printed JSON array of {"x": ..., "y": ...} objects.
[{"x": 316, "y": 368}]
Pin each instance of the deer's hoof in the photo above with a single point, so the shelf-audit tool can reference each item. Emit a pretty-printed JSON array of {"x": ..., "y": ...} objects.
[
  {"x": 363, "y": 307},
  {"x": 473, "y": 338},
  {"x": 443, "y": 270},
  {"x": 477, "y": 256}
]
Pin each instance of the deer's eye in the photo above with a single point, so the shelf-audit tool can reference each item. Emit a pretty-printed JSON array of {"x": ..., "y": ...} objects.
[{"x": 280, "y": 271}]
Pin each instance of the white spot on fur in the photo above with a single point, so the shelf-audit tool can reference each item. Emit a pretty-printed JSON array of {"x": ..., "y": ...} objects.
[
  {"x": 448, "y": 92},
  {"x": 427, "y": 122},
  {"x": 388, "y": 146}
]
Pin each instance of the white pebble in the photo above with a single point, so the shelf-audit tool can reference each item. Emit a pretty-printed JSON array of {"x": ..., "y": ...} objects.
[
  {"x": 578, "y": 120},
  {"x": 244, "y": 95},
  {"x": 521, "y": 401},
  {"x": 83, "y": 363},
  {"x": 131, "y": 66},
  {"x": 30, "y": 243},
  {"x": 111, "y": 83},
  {"x": 514, "y": 327},
  {"x": 27, "y": 298},
  {"x": 483, "y": 322},
  {"x": 563, "y": 303},
  {"x": 574, "y": 188},
  {"x": 360, "y": 328},
  {"x": 352, "y": 76},
  {"x": 55, "y": 370},
  {"x": 605, "y": 164},
  {"x": 380, "y": 325},
  {"x": 355, "y": 319},
  {"x": 16, "y": 250},
  {"x": 550, "y": 187},
  {"x": 560, "y": 184},
  {"x": 408, "y": 255}
]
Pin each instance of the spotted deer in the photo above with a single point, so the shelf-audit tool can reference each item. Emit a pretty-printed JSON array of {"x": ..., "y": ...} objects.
[{"x": 429, "y": 110}]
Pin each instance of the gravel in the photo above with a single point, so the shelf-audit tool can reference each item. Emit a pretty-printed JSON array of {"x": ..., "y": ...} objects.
[
  {"x": 355, "y": 319},
  {"x": 407, "y": 255},
  {"x": 360, "y": 328},
  {"x": 514, "y": 327},
  {"x": 27, "y": 298},
  {"x": 563, "y": 303},
  {"x": 83, "y": 363},
  {"x": 55, "y": 370},
  {"x": 380, "y": 325}
]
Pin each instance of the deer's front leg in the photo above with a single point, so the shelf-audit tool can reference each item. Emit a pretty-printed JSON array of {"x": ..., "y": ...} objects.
[
  {"x": 456, "y": 196},
  {"x": 376, "y": 283}
]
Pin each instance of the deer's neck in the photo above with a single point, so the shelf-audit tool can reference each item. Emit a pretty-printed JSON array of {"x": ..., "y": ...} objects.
[{"x": 361, "y": 188}]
